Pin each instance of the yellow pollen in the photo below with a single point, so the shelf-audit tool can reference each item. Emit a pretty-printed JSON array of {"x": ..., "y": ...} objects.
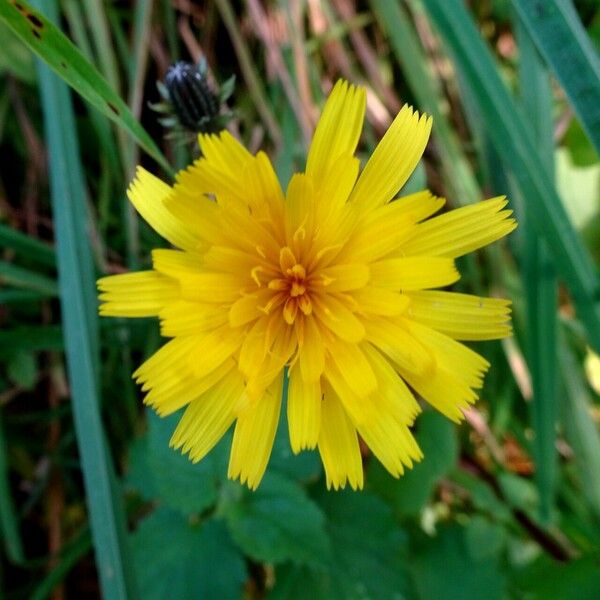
[
  {"x": 297, "y": 271},
  {"x": 297, "y": 289}
]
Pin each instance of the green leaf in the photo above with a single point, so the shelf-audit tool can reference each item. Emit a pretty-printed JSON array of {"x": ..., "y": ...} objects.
[
  {"x": 516, "y": 147},
  {"x": 9, "y": 523},
  {"x": 409, "y": 494},
  {"x": 368, "y": 559},
  {"x": 581, "y": 151},
  {"x": 406, "y": 46},
  {"x": 80, "y": 319},
  {"x": 163, "y": 474},
  {"x": 539, "y": 281},
  {"x": 15, "y": 58},
  {"x": 25, "y": 279},
  {"x": 566, "y": 47},
  {"x": 53, "y": 47},
  {"x": 277, "y": 522},
  {"x": 449, "y": 566},
  {"x": 22, "y": 369},
  {"x": 175, "y": 558},
  {"x": 546, "y": 578},
  {"x": 27, "y": 246}
]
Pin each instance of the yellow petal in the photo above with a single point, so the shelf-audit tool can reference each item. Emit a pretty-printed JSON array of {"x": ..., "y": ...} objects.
[
  {"x": 189, "y": 318},
  {"x": 303, "y": 412},
  {"x": 393, "y": 161},
  {"x": 253, "y": 438},
  {"x": 394, "y": 340},
  {"x": 338, "y": 130},
  {"x": 353, "y": 367},
  {"x": 461, "y": 316},
  {"x": 379, "y": 301},
  {"x": 449, "y": 388},
  {"x": 342, "y": 278},
  {"x": 413, "y": 272},
  {"x": 392, "y": 395},
  {"x": 386, "y": 229},
  {"x": 168, "y": 395},
  {"x": 338, "y": 445},
  {"x": 212, "y": 349},
  {"x": 141, "y": 294},
  {"x": 337, "y": 318},
  {"x": 462, "y": 230},
  {"x": 148, "y": 194},
  {"x": 312, "y": 353},
  {"x": 390, "y": 441},
  {"x": 208, "y": 418}
]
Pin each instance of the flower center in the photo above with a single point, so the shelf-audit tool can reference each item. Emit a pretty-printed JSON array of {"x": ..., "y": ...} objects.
[{"x": 292, "y": 287}]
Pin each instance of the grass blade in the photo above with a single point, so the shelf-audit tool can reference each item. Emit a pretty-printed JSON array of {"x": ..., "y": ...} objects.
[
  {"x": 27, "y": 280},
  {"x": 518, "y": 151},
  {"x": 80, "y": 322},
  {"x": 27, "y": 246},
  {"x": 54, "y": 48},
  {"x": 9, "y": 526},
  {"x": 563, "y": 42},
  {"x": 407, "y": 49},
  {"x": 539, "y": 280}
]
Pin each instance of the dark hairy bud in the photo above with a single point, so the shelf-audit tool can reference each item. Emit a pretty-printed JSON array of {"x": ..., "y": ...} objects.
[{"x": 193, "y": 101}]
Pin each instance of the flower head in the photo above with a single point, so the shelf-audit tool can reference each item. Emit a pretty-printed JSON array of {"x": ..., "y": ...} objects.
[{"x": 333, "y": 281}]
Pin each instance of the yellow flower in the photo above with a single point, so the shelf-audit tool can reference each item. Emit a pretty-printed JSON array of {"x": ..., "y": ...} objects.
[{"x": 333, "y": 281}]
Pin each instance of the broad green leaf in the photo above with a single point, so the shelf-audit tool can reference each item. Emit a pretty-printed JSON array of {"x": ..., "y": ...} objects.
[
  {"x": 303, "y": 467},
  {"x": 53, "y": 47},
  {"x": 368, "y": 560},
  {"x": 449, "y": 566},
  {"x": 163, "y": 474},
  {"x": 409, "y": 494},
  {"x": 277, "y": 522},
  {"x": 516, "y": 147},
  {"x": 566, "y": 47},
  {"x": 80, "y": 320},
  {"x": 546, "y": 578},
  {"x": 179, "y": 559}
]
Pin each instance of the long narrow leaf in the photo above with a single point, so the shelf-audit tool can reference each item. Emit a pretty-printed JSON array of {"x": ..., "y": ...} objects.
[
  {"x": 561, "y": 39},
  {"x": 25, "y": 279},
  {"x": 9, "y": 526},
  {"x": 80, "y": 331},
  {"x": 539, "y": 281},
  {"x": 517, "y": 149},
  {"x": 27, "y": 246},
  {"x": 54, "y": 48},
  {"x": 407, "y": 49}
]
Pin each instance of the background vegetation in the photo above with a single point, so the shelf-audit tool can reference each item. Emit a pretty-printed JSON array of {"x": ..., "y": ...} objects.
[{"x": 91, "y": 497}]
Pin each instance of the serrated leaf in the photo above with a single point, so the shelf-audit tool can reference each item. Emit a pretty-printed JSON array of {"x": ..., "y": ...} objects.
[
  {"x": 278, "y": 522},
  {"x": 160, "y": 473},
  {"x": 368, "y": 560},
  {"x": 409, "y": 494},
  {"x": 177, "y": 559}
]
